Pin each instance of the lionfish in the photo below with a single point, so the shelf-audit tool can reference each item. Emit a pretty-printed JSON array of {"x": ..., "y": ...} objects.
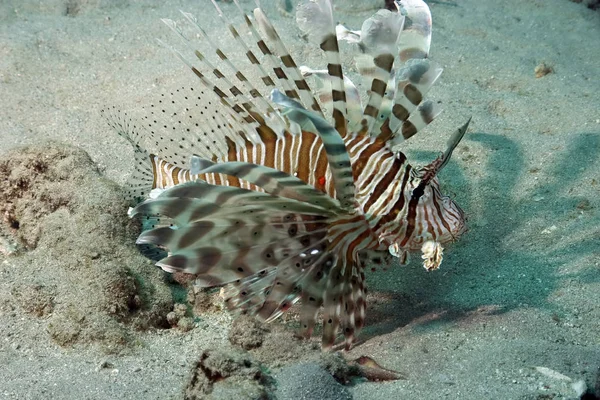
[{"x": 286, "y": 198}]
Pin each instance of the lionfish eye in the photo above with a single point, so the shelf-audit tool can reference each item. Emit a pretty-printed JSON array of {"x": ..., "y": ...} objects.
[{"x": 418, "y": 192}]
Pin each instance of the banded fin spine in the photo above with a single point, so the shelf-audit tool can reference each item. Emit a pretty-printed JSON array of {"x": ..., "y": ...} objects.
[
  {"x": 244, "y": 113},
  {"x": 379, "y": 35},
  {"x": 283, "y": 79},
  {"x": 288, "y": 62},
  {"x": 416, "y": 36},
  {"x": 316, "y": 20},
  {"x": 413, "y": 81},
  {"x": 263, "y": 107},
  {"x": 323, "y": 89}
]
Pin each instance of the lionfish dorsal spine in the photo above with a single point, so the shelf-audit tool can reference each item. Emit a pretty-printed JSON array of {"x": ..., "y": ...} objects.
[
  {"x": 265, "y": 78},
  {"x": 416, "y": 35},
  {"x": 413, "y": 81},
  {"x": 316, "y": 20},
  {"x": 256, "y": 99},
  {"x": 282, "y": 78},
  {"x": 239, "y": 103},
  {"x": 289, "y": 65},
  {"x": 240, "y": 119},
  {"x": 379, "y": 35}
]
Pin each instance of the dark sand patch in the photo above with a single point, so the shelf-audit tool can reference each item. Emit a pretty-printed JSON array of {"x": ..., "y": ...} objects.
[{"x": 222, "y": 374}]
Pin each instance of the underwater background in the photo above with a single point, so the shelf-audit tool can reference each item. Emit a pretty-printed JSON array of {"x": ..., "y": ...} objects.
[{"x": 513, "y": 313}]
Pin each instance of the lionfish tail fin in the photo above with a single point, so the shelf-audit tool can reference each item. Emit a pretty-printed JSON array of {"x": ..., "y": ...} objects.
[{"x": 141, "y": 181}]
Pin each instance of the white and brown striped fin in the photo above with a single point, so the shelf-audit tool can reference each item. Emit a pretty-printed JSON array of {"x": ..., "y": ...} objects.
[
  {"x": 415, "y": 40},
  {"x": 344, "y": 302},
  {"x": 243, "y": 125},
  {"x": 289, "y": 65},
  {"x": 248, "y": 294},
  {"x": 379, "y": 35},
  {"x": 315, "y": 19},
  {"x": 322, "y": 87},
  {"x": 256, "y": 105},
  {"x": 225, "y": 242},
  {"x": 265, "y": 78},
  {"x": 350, "y": 296},
  {"x": 272, "y": 181},
  {"x": 239, "y": 105},
  {"x": 410, "y": 112},
  {"x": 275, "y": 65}
]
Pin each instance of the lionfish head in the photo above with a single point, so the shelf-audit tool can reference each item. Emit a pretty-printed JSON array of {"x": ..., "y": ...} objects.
[
  {"x": 437, "y": 217},
  {"x": 430, "y": 216}
]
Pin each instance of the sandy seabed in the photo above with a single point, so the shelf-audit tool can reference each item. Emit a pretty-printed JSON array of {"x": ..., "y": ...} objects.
[{"x": 514, "y": 312}]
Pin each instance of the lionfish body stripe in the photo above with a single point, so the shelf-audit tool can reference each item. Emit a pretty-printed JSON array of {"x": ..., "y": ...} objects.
[{"x": 279, "y": 196}]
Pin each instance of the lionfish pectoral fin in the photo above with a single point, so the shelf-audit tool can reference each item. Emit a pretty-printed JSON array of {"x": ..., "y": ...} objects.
[
  {"x": 344, "y": 302},
  {"x": 227, "y": 234},
  {"x": 147, "y": 249},
  {"x": 272, "y": 181}
]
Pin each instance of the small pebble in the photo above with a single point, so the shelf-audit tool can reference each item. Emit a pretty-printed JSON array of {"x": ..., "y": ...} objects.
[{"x": 542, "y": 70}]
